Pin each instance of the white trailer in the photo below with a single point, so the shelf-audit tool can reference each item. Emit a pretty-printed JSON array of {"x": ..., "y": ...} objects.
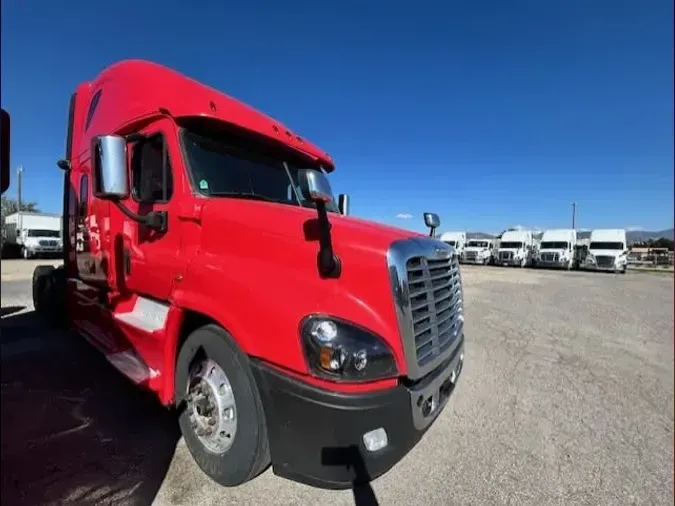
[
  {"x": 607, "y": 251},
  {"x": 479, "y": 251},
  {"x": 457, "y": 240},
  {"x": 516, "y": 247},
  {"x": 33, "y": 234},
  {"x": 558, "y": 248}
]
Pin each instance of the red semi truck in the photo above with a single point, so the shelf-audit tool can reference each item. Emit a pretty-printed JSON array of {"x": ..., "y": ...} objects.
[
  {"x": 206, "y": 256},
  {"x": 4, "y": 149}
]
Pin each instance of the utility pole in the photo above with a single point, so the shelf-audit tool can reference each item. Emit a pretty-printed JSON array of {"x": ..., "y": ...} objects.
[
  {"x": 574, "y": 214},
  {"x": 19, "y": 172}
]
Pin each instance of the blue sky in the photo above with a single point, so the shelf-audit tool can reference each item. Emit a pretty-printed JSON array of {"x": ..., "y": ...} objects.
[{"x": 490, "y": 113}]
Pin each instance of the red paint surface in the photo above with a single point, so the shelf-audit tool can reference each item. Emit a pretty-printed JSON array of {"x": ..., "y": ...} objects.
[{"x": 248, "y": 265}]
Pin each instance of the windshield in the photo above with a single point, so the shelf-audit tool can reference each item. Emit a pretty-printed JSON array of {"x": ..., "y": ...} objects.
[
  {"x": 44, "y": 233},
  {"x": 511, "y": 245},
  {"x": 554, "y": 245},
  {"x": 451, "y": 243},
  {"x": 221, "y": 169},
  {"x": 477, "y": 244},
  {"x": 606, "y": 245}
]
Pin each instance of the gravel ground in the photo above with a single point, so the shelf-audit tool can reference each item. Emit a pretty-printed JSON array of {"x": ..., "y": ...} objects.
[{"x": 566, "y": 398}]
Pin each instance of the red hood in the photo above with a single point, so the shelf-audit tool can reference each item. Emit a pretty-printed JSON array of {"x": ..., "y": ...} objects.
[{"x": 258, "y": 262}]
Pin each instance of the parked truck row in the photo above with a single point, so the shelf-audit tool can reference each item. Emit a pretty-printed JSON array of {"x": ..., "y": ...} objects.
[{"x": 604, "y": 250}]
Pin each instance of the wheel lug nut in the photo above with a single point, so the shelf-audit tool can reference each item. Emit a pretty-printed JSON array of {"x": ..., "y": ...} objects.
[{"x": 228, "y": 414}]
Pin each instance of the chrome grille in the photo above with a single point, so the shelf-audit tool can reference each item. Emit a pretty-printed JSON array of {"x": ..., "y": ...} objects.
[
  {"x": 435, "y": 302},
  {"x": 605, "y": 261},
  {"x": 470, "y": 255},
  {"x": 52, "y": 244},
  {"x": 505, "y": 255},
  {"x": 427, "y": 289},
  {"x": 549, "y": 257}
]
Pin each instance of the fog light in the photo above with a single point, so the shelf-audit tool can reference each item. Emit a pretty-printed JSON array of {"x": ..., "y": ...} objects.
[{"x": 375, "y": 439}]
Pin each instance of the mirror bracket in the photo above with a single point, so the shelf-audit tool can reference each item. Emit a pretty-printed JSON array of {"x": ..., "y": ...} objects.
[
  {"x": 328, "y": 263},
  {"x": 315, "y": 187}
]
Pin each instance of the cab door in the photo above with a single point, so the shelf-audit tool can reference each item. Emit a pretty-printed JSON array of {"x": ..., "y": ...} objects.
[{"x": 148, "y": 261}]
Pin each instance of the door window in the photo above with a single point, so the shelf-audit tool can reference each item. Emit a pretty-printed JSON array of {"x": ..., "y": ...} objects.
[{"x": 151, "y": 171}]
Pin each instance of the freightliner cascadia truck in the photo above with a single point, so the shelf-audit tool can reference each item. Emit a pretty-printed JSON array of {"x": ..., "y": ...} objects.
[{"x": 206, "y": 256}]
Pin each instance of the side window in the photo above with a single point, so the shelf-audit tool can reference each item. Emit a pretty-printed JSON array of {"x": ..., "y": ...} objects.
[
  {"x": 92, "y": 109},
  {"x": 151, "y": 171}
]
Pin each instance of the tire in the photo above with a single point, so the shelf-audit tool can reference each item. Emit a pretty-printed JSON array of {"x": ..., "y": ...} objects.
[
  {"x": 26, "y": 254},
  {"x": 523, "y": 263},
  {"x": 42, "y": 277},
  {"x": 49, "y": 294},
  {"x": 248, "y": 454}
]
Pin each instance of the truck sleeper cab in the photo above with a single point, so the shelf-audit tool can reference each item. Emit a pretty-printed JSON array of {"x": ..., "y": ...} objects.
[
  {"x": 457, "y": 240},
  {"x": 516, "y": 248},
  {"x": 205, "y": 256},
  {"x": 479, "y": 251},
  {"x": 607, "y": 251},
  {"x": 558, "y": 248}
]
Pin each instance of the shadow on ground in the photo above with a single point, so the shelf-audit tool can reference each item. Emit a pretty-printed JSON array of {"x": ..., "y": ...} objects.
[{"x": 74, "y": 431}]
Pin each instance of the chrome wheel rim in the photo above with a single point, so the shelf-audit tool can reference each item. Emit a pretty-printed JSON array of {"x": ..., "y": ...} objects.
[{"x": 211, "y": 407}]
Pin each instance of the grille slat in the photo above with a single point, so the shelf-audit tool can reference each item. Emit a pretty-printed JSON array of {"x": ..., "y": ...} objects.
[
  {"x": 550, "y": 257},
  {"x": 605, "y": 261},
  {"x": 434, "y": 289}
]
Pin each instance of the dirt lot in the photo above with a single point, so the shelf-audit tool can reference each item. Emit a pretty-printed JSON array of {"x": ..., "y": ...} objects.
[{"x": 566, "y": 398}]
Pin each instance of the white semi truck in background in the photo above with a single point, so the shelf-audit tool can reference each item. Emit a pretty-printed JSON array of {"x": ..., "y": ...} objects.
[
  {"x": 479, "y": 251},
  {"x": 31, "y": 235},
  {"x": 558, "y": 248},
  {"x": 517, "y": 247},
  {"x": 457, "y": 240},
  {"x": 607, "y": 251}
]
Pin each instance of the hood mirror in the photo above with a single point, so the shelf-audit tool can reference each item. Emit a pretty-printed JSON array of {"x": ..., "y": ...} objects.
[{"x": 432, "y": 221}]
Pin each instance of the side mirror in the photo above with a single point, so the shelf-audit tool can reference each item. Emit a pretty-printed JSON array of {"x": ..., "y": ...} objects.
[
  {"x": 432, "y": 221},
  {"x": 109, "y": 167},
  {"x": 4, "y": 149},
  {"x": 343, "y": 204},
  {"x": 315, "y": 186}
]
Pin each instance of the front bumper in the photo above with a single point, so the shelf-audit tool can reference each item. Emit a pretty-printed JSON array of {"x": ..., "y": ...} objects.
[
  {"x": 559, "y": 263},
  {"x": 316, "y": 436},
  {"x": 476, "y": 260},
  {"x": 595, "y": 267},
  {"x": 510, "y": 262}
]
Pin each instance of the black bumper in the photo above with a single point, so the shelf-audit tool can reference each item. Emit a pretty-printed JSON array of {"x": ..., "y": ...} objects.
[{"x": 316, "y": 435}]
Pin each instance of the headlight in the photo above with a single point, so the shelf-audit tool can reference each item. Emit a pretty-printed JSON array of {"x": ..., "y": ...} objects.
[{"x": 341, "y": 351}]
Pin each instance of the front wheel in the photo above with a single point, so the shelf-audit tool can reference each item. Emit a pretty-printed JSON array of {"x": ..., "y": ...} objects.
[
  {"x": 523, "y": 263},
  {"x": 221, "y": 413}
]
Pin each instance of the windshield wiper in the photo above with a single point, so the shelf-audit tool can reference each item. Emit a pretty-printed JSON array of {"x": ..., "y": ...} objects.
[{"x": 251, "y": 196}]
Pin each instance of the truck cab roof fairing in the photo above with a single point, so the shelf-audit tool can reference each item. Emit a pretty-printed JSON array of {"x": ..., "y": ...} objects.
[{"x": 133, "y": 89}]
